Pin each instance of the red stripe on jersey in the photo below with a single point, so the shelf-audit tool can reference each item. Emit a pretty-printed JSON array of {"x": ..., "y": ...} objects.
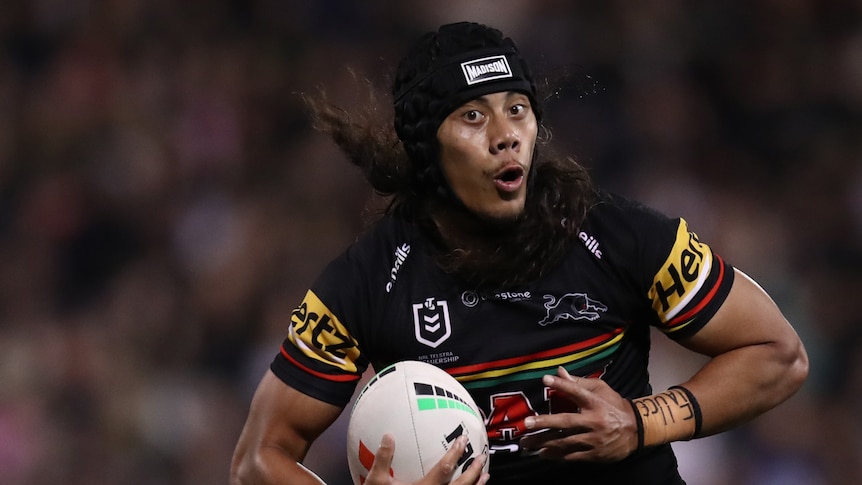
[
  {"x": 511, "y": 362},
  {"x": 328, "y": 377},
  {"x": 705, "y": 301}
]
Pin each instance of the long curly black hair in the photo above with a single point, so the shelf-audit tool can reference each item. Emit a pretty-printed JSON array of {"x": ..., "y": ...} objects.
[{"x": 405, "y": 169}]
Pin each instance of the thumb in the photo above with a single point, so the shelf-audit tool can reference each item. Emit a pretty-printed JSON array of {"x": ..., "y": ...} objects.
[{"x": 381, "y": 466}]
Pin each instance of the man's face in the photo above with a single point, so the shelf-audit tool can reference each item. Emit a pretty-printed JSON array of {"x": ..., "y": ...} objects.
[{"x": 486, "y": 151}]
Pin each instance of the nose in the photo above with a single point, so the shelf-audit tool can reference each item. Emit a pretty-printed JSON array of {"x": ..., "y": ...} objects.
[{"x": 504, "y": 137}]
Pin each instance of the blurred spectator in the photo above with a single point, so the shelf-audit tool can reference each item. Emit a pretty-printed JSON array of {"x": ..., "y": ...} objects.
[{"x": 163, "y": 204}]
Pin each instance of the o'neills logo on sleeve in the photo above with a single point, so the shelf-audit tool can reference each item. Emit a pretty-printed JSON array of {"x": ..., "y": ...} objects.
[{"x": 486, "y": 69}]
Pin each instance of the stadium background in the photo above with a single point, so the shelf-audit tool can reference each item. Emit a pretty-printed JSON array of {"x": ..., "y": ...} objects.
[{"x": 163, "y": 204}]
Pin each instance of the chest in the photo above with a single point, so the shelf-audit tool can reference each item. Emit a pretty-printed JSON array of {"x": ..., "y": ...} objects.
[{"x": 578, "y": 313}]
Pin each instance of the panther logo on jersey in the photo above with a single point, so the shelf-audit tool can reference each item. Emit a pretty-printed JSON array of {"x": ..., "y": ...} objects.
[
  {"x": 431, "y": 322},
  {"x": 572, "y": 306}
]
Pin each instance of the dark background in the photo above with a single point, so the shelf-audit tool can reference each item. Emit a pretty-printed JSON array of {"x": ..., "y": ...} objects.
[{"x": 164, "y": 204}]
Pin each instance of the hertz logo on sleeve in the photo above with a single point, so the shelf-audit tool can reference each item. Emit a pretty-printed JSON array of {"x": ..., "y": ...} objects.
[
  {"x": 319, "y": 334},
  {"x": 682, "y": 275}
]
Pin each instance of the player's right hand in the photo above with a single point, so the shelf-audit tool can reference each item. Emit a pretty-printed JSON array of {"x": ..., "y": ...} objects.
[{"x": 440, "y": 474}]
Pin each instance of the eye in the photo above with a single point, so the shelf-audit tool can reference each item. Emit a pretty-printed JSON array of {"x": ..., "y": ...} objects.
[
  {"x": 518, "y": 109},
  {"x": 473, "y": 115}
]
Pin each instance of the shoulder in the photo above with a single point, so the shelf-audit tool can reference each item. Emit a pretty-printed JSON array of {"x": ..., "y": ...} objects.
[
  {"x": 368, "y": 261},
  {"x": 683, "y": 278},
  {"x": 628, "y": 228},
  {"x": 626, "y": 213},
  {"x": 380, "y": 240}
]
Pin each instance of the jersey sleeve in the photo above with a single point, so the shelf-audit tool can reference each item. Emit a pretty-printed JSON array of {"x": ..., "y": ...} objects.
[
  {"x": 321, "y": 355},
  {"x": 690, "y": 284},
  {"x": 679, "y": 280}
]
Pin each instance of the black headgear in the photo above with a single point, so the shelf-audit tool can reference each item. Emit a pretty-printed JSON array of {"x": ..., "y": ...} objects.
[{"x": 444, "y": 70}]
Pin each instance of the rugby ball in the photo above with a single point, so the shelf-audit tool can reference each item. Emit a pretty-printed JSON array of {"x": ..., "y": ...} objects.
[{"x": 425, "y": 410}]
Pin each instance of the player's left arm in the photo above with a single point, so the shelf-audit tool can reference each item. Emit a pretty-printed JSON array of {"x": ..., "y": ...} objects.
[{"x": 757, "y": 359}]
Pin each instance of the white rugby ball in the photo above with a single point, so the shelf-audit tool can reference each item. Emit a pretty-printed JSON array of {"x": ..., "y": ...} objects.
[{"x": 425, "y": 410}]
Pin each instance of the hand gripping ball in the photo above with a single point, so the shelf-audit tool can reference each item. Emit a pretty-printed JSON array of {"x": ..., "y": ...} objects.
[{"x": 425, "y": 409}]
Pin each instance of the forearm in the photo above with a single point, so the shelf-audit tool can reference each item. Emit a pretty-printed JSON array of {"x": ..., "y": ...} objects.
[
  {"x": 270, "y": 466},
  {"x": 280, "y": 428},
  {"x": 739, "y": 385},
  {"x": 732, "y": 388},
  {"x": 757, "y": 361}
]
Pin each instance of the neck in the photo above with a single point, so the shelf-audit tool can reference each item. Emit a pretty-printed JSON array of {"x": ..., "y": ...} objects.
[{"x": 458, "y": 229}]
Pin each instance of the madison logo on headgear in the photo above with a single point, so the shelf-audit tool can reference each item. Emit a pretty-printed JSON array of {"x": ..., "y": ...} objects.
[
  {"x": 431, "y": 322},
  {"x": 486, "y": 69}
]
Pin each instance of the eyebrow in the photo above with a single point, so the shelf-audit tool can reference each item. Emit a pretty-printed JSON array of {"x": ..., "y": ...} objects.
[{"x": 509, "y": 94}]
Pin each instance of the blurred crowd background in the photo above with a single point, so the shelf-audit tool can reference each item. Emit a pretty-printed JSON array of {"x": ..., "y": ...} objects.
[{"x": 164, "y": 204}]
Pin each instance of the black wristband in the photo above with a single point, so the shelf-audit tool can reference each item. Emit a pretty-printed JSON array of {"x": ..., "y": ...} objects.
[
  {"x": 640, "y": 423},
  {"x": 695, "y": 406}
]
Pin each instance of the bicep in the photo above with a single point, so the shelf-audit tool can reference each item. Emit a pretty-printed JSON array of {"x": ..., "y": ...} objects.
[
  {"x": 757, "y": 359},
  {"x": 747, "y": 317}
]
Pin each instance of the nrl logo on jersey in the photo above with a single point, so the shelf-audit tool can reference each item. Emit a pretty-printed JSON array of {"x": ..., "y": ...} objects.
[{"x": 431, "y": 322}]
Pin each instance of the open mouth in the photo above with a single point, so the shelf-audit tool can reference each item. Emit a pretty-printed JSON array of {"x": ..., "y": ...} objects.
[{"x": 510, "y": 178}]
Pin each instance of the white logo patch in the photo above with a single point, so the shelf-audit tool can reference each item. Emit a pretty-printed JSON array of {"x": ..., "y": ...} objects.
[
  {"x": 431, "y": 322},
  {"x": 486, "y": 69}
]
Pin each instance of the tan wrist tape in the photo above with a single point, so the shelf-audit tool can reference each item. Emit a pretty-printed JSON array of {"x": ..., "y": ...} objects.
[{"x": 673, "y": 415}]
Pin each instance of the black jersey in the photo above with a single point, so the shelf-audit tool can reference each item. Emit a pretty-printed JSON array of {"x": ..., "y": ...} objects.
[{"x": 385, "y": 300}]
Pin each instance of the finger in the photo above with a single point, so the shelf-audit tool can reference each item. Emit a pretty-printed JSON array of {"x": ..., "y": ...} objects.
[
  {"x": 569, "y": 444},
  {"x": 584, "y": 392},
  {"x": 474, "y": 474},
  {"x": 576, "y": 451},
  {"x": 444, "y": 469},
  {"x": 573, "y": 393},
  {"x": 539, "y": 440},
  {"x": 554, "y": 436},
  {"x": 578, "y": 389},
  {"x": 381, "y": 466},
  {"x": 542, "y": 424}
]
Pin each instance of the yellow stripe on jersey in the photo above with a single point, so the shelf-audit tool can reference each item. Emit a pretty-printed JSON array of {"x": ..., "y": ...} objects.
[
  {"x": 318, "y": 334},
  {"x": 682, "y": 275}
]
